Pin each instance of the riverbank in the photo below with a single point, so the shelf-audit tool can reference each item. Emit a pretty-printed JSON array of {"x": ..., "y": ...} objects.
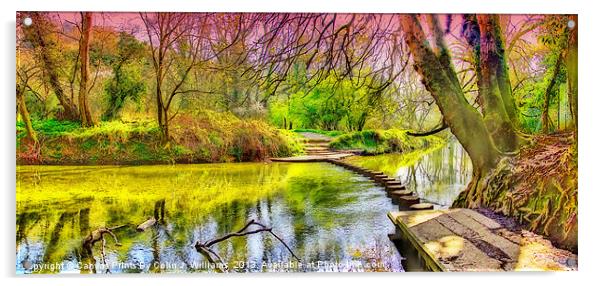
[
  {"x": 538, "y": 189},
  {"x": 374, "y": 142},
  {"x": 207, "y": 139}
]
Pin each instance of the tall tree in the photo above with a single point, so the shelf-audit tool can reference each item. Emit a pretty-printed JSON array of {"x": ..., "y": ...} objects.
[
  {"x": 175, "y": 41},
  {"x": 483, "y": 34},
  {"x": 40, "y": 35},
  {"x": 84, "y": 51},
  {"x": 127, "y": 81},
  {"x": 24, "y": 73},
  {"x": 545, "y": 116},
  {"x": 485, "y": 137},
  {"x": 22, "y": 108},
  {"x": 571, "y": 63}
]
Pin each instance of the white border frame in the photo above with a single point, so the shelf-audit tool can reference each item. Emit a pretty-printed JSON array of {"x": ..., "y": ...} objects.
[{"x": 590, "y": 136}]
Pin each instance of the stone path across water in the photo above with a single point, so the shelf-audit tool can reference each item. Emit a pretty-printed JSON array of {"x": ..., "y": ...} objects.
[{"x": 316, "y": 150}]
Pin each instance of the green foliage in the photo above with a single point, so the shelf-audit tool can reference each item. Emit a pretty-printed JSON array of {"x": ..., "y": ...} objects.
[
  {"x": 48, "y": 128},
  {"x": 127, "y": 81},
  {"x": 330, "y": 104},
  {"x": 554, "y": 31},
  {"x": 210, "y": 137},
  {"x": 115, "y": 130},
  {"x": 531, "y": 97},
  {"x": 332, "y": 133},
  {"x": 383, "y": 141},
  {"x": 223, "y": 137}
]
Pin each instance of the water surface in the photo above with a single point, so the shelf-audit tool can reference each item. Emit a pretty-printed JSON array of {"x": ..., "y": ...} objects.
[
  {"x": 437, "y": 175},
  {"x": 333, "y": 219}
]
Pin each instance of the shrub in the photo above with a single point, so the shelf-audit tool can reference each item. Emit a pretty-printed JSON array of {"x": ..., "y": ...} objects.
[
  {"x": 382, "y": 141},
  {"x": 206, "y": 137},
  {"x": 333, "y": 133}
]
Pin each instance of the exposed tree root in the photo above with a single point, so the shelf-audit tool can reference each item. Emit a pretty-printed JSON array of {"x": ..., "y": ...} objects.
[{"x": 537, "y": 187}]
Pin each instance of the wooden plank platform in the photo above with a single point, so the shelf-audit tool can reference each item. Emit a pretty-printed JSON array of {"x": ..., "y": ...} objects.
[{"x": 465, "y": 240}]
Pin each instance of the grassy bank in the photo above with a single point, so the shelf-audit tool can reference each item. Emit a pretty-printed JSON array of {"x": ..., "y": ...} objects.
[
  {"x": 373, "y": 142},
  {"x": 333, "y": 133},
  {"x": 211, "y": 137}
]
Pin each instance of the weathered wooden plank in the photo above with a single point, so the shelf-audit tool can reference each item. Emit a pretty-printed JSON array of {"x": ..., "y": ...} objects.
[
  {"x": 489, "y": 223},
  {"x": 490, "y": 244},
  {"x": 465, "y": 240},
  {"x": 451, "y": 250}
]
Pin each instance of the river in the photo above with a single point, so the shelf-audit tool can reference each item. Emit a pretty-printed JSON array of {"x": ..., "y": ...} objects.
[{"x": 331, "y": 218}]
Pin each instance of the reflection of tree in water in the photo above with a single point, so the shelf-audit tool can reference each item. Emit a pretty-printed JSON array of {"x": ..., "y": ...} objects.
[
  {"x": 53, "y": 242},
  {"x": 25, "y": 222},
  {"x": 314, "y": 208},
  {"x": 440, "y": 175}
]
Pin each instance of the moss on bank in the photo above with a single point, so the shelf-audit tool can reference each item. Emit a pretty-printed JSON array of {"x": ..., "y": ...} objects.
[
  {"x": 210, "y": 137},
  {"x": 538, "y": 188},
  {"x": 332, "y": 133},
  {"x": 373, "y": 142}
]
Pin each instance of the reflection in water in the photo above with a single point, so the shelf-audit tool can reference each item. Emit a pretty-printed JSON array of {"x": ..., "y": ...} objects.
[
  {"x": 437, "y": 175},
  {"x": 329, "y": 217}
]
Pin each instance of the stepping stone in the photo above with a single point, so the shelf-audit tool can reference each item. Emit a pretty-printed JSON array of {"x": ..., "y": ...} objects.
[
  {"x": 408, "y": 200},
  {"x": 381, "y": 176},
  {"x": 391, "y": 188},
  {"x": 388, "y": 179},
  {"x": 401, "y": 193},
  {"x": 393, "y": 183},
  {"x": 422, "y": 206},
  {"x": 316, "y": 149},
  {"x": 395, "y": 195}
]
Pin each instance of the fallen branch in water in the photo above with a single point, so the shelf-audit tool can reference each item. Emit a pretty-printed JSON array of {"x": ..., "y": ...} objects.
[
  {"x": 159, "y": 215},
  {"x": 98, "y": 235},
  {"x": 148, "y": 223},
  {"x": 205, "y": 250}
]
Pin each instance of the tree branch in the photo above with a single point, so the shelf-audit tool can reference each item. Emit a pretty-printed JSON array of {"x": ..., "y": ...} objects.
[
  {"x": 434, "y": 131},
  {"x": 204, "y": 248}
]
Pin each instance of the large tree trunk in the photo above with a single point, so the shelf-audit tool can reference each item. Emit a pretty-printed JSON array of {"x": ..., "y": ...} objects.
[
  {"x": 545, "y": 122},
  {"x": 499, "y": 111},
  {"x": 25, "y": 114},
  {"x": 441, "y": 81},
  {"x": 84, "y": 51},
  {"x": 571, "y": 64},
  {"x": 486, "y": 138},
  {"x": 159, "y": 83},
  {"x": 497, "y": 92},
  {"x": 548, "y": 203},
  {"x": 38, "y": 34}
]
